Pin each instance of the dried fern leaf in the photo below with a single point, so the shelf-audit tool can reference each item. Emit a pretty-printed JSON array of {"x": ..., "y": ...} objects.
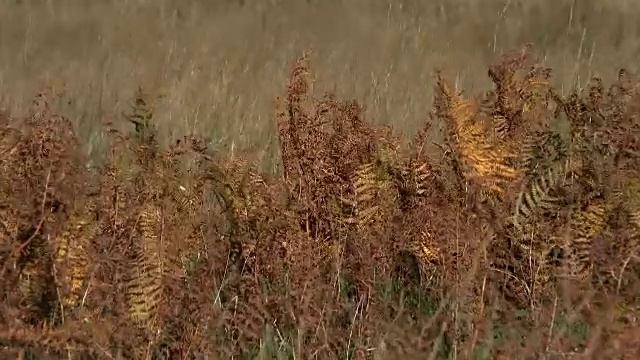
[
  {"x": 585, "y": 225},
  {"x": 71, "y": 256},
  {"x": 144, "y": 288},
  {"x": 536, "y": 197},
  {"x": 365, "y": 188},
  {"x": 422, "y": 178},
  {"x": 426, "y": 253},
  {"x": 482, "y": 159}
]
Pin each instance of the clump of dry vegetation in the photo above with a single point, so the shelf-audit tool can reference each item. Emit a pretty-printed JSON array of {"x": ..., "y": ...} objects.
[{"x": 516, "y": 240}]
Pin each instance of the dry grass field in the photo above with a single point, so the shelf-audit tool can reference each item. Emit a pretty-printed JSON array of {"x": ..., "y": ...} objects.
[{"x": 448, "y": 179}]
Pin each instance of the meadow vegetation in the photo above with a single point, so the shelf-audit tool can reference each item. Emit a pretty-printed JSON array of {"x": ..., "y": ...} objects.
[{"x": 442, "y": 190}]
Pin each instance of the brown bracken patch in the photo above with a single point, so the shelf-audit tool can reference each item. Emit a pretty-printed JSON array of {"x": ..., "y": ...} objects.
[{"x": 515, "y": 241}]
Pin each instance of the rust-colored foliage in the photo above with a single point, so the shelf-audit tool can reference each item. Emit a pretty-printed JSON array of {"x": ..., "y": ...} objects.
[{"x": 362, "y": 247}]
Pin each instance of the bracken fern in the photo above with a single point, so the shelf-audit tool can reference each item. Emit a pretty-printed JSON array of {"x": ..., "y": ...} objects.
[
  {"x": 481, "y": 158},
  {"x": 144, "y": 285},
  {"x": 72, "y": 256}
]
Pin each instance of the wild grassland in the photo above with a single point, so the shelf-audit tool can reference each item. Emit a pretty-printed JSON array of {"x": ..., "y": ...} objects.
[
  {"x": 220, "y": 65},
  {"x": 199, "y": 218}
]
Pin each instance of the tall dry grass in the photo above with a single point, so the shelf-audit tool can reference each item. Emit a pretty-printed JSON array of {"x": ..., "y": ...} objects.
[{"x": 220, "y": 64}]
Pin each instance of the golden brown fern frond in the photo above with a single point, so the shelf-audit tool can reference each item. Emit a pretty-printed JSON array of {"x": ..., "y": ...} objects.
[
  {"x": 422, "y": 176},
  {"x": 365, "y": 190},
  {"x": 144, "y": 287},
  {"x": 427, "y": 254},
  {"x": 500, "y": 126},
  {"x": 481, "y": 158},
  {"x": 71, "y": 256},
  {"x": 634, "y": 218},
  {"x": 585, "y": 225}
]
